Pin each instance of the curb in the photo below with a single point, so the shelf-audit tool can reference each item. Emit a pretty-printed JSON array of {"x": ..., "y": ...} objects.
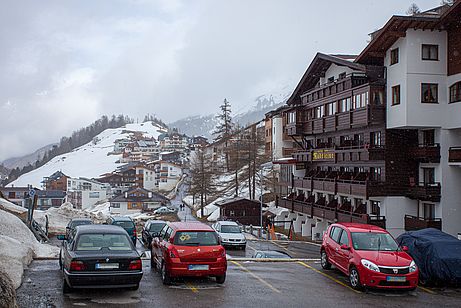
[{"x": 262, "y": 260}]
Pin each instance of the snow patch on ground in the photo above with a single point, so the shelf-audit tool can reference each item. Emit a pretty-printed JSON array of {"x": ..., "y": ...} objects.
[{"x": 19, "y": 246}]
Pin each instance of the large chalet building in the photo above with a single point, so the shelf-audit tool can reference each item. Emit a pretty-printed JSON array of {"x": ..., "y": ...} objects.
[{"x": 376, "y": 138}]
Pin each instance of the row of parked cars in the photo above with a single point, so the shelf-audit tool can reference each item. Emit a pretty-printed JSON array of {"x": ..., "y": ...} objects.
[
  {"x": 371, "y": 257},
  {"x": 105, "y": 255}
]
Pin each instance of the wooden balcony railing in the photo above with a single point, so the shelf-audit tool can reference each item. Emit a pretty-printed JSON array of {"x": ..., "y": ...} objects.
[
  {"x": 417, "y": 223},
  {"x": 330, "y": 213},
  {"x": 295, "y": 129},
  {"x": 425, "y": 192},
  {"x": 454, "y": 155},
  {"x": 426, "y": 153}
]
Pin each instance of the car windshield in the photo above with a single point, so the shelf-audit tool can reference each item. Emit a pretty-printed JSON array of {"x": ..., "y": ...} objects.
[
  {"x": 125, "y": 224},
  {"x": 156, "y": 227},
  {"x": 373, "y": 241},
  {"x": 230, "y": 229},
  {"x": 90, "y": 242},
  {"x": 196, "y": 238}
]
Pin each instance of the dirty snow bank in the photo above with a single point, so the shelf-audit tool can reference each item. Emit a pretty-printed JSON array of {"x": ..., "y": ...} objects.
[{"x": 19, "y": 247}]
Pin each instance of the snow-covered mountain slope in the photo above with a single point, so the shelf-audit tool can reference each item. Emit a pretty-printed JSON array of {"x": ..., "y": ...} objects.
[
  {"x": 23, "y": 161},
  {"x": 247, "y": 114},
  {"x": 90, "y": 160}
]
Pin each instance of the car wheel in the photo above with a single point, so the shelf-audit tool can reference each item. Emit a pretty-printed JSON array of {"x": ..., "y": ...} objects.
[
  {"x": 66, "y": 288},
  {"x": 220, "y": 279},
  {"x": 354, "y": 278},
  {"x": 166, "y": 279},
  {"x": 324, "y": 260}
]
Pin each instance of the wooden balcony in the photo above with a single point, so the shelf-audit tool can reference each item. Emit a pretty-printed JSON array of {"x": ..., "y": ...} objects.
[
  {"x": 454, "y": 155},
  {"x": 332, "y": 88},
  {"x": 330, "y": 213},
  {"x": 417, "y": 223},
  {"x": 425, "y": 192},
  {"x": 426, "y": 153},
  {"x": 295, "y": 129}
]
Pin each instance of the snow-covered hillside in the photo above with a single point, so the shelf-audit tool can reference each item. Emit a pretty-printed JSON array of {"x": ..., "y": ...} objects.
[{"x": 90, "y": 160}]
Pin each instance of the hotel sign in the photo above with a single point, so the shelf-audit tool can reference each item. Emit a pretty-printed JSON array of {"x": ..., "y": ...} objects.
[{"x": 325, "y": 155}]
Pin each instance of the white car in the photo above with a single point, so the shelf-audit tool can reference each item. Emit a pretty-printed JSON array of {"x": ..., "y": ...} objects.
[
  {"x": 230, "y": 234},
  {"x": 164, "y": 210}
]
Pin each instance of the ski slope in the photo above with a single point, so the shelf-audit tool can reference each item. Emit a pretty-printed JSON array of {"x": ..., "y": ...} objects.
[{"x": 90, "y": 160}]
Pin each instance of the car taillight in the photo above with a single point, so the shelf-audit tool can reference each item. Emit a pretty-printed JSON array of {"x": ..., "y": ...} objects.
[
  {"x": 77, "y": 266},
  {"x": 134, "y": 232},
  {"x": 135, "y": 265}
]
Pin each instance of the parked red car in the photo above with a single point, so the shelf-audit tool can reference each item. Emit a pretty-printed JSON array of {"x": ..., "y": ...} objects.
[
  {"x": 188, "y": 249},
  {"x": 369, "y": 255}
]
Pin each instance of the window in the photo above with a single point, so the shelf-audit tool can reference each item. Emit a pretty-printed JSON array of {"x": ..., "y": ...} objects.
[
  {"x": 331, "y": 79},
  {"x": 11, "y": 195},
  {"x": 94, "y": 194},
  {"x": 394, "y": 56},
  {"x": 375, "y": 173},
  {"x": 319, "y": 112},
  {"x": 375, "y": 208},
  {"x": 455, "y": 92},
  {"x": 430, "y": 52},
  {"x": 334, "y": 233},
  {"x": 330, "y": 109},
  {"x": 342, "y": 75},
  {"x": 345, "y": 104},
  {"x": 429, "y": 137},
  {"x": 429, "y": 93},
  {"x": 375, "y": 138},
  {"x": 428, "y": 211},
  {"x": 344, "y": 239},
  {"x": 115, "y": 205},
  {"x": 395, "y": 95},
  {"x": 292, "y": 117},
  {"x": 428, "y": 176},
  {"x": 377, "y": 97}
]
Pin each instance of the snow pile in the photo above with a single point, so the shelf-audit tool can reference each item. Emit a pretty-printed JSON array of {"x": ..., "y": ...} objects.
[
  {"x": 19, "y": 246},
  {"x": 59, "y": 217},
  {"x": 92, "y": 159},
  {"x": 101, "y": 209},
  {"x": 11, "y": 207}
]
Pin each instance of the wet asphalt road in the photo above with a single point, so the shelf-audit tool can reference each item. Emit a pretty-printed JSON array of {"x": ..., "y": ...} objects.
[{"x": 248, "y": 284}]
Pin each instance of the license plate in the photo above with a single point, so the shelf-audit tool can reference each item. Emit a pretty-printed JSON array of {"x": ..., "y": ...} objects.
[
  {"x": 396, "y": 279},
  {"x": 106, "y": 265},
  {"x": 198, "y": 267}
]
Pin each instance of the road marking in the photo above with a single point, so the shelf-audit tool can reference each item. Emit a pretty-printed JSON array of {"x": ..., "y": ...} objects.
[
  {"x": 257, "y": 277},
  {"x": 426, "y": 290},
  {"x": 329, "y": 277},
  {"x": 192, "y": 288}
]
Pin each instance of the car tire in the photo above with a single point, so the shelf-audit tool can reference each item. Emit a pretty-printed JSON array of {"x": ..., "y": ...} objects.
[
  {"x": 354, "y": 278},
  {"x": 220, "y": 279},
  {"x": 324, "y": 260},
  {"x": 66, "y": 288},
  {"x": 166, "y": 279}
]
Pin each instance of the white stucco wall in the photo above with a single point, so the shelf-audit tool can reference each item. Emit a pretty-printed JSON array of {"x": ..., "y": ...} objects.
[
  {"x": 334, "y": 71},
  {"x": 452, "y": 117}
]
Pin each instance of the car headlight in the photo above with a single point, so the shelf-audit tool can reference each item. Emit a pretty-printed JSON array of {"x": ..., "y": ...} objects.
[
  {"x": 370, "y": 265},
  {"x": 413, "y": 267}
]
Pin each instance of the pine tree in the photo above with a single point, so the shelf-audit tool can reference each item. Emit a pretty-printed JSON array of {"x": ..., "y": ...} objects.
[
  {"x": 202, "y": 177},
  {"x": 223, "y": 130}
]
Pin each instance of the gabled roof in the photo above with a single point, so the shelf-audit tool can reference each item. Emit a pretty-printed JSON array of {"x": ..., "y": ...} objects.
[
  {"x": 438, "y": 18},
  {"x": 317, "y": 69},
  {"x": 226, "y": 202},
  {"x": 156, "y": 197}
]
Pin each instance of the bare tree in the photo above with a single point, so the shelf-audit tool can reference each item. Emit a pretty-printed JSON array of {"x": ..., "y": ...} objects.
[
  {"x": 202, "y": 177},
  {"x": 413, "y": 9}
]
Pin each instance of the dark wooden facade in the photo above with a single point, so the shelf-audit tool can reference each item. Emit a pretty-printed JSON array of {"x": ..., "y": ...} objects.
[{"x": 241, "y": 210}]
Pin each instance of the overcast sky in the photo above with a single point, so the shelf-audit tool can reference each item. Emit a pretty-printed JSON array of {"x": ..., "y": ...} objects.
[{"x": 66, "y": 63}]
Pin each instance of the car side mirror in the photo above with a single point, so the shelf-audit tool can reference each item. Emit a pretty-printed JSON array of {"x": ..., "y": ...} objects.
[
  {"x": 404, "y": 248},
  {"x": 345, "y": 247},
  {"x": 61, "y": 237}
]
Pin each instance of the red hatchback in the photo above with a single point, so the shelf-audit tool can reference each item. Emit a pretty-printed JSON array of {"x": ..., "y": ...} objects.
[
  {"x": 369, "y": 255},
  {"x": 188, "y": 249}
]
